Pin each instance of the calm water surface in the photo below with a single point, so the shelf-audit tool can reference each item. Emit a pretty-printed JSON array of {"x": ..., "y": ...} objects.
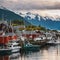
[{"x": 46, "y": 53}]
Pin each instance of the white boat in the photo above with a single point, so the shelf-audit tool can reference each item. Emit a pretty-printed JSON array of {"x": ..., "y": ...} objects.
[
  {"x": 39, "y": 38},
  {"x": 13, "y": 40},
  {"x": 14, "y": 46},
  {"x": 53, "y": 41}
]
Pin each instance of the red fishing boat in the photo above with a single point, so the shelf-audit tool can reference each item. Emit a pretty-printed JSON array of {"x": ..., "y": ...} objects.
[{"x": 7, "y": 39}]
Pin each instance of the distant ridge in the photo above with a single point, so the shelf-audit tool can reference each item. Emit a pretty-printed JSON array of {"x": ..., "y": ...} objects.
[{"x": 9, "y": 15}]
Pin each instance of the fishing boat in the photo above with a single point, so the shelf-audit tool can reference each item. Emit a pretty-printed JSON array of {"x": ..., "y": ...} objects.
[
  {"x": 13, "y": 40},
  {"x": 4, "y": 39},
  {"x": 30, "y": 47},
  {"x": 54, "y": 41},
  {"x": 40, "y": 40},
  {"x": 6, "y": 36}
]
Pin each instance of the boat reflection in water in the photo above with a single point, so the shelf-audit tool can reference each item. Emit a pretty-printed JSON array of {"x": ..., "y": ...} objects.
[
  {"x": 14, "y": 56},
  {"x": 46, "y": 53}
]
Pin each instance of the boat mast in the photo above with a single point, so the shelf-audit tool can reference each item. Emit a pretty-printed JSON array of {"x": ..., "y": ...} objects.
[
  {"x": 3, "y": 31},
  {"x": 11, "y": 26}
]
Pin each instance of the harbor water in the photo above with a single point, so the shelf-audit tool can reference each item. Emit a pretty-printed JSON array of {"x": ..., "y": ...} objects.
[{"x": 46, "y": 53}]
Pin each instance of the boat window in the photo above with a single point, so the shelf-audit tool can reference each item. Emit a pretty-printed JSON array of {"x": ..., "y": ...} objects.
[
  {"x": 9, "y": 46},
  {"x": 15, "y": 45}
]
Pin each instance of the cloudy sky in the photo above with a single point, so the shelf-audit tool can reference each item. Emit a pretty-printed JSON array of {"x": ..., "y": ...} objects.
[{"x": 42, "y": 7}]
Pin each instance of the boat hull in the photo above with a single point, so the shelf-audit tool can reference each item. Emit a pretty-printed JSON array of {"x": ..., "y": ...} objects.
[
  {"x": 30, "y": 48},
  {"x": 15, "y": 50},
  {"x": 5, "y": 52}
]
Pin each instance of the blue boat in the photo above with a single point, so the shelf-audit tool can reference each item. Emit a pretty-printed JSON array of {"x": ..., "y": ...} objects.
[{"x": 30, "y": 47}]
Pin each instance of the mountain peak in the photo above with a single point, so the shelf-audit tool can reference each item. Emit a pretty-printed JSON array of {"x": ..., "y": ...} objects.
[{"x": 28, "y": 13}]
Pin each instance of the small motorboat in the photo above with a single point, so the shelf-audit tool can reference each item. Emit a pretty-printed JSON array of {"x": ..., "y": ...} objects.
[{"x": 30, "y": 47}]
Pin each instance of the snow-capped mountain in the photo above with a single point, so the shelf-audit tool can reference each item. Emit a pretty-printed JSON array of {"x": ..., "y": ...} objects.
[
  {"x": 48, "y": 21},
  {"x": 30, "y": 16},
  {"x": 33, "y": 16}
]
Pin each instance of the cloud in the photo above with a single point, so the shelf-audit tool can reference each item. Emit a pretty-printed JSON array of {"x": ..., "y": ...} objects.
[
  {"x": 41, "y": 7},
  {"x": 1, "y": 1},
  {"x": 30, "y": 5}
]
